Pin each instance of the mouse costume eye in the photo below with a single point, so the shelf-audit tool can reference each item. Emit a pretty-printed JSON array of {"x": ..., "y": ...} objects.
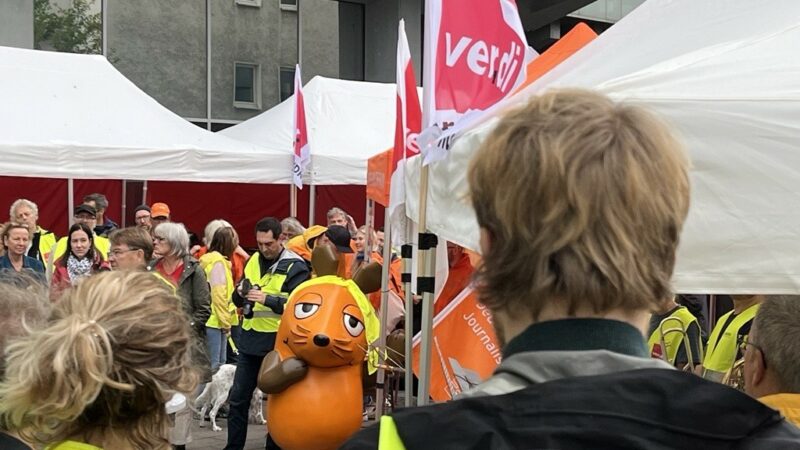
[
  {"x": 354, "y": 326},
  {"x": 303, "y": 310}
]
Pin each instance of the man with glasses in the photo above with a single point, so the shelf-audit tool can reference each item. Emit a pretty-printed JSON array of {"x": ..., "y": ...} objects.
[
  {"x": 771, "y": 352},
  {"x": 143, "y": 217},
  {"x": 87, "y": 215},
  {"x": 132, "y": 249}
]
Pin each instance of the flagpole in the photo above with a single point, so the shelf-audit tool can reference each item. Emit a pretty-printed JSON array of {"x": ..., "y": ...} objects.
[
  {"x": 292, "y": 200},
  {"x": 427, "y": 241},
  {"x": 312, "y": 203},
  {"x": 387, "y": 262}
]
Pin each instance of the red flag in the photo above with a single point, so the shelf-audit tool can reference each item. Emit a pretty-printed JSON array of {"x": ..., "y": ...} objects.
[
  {"x": 475, "y": 56},
  {"x": 302, "y": 151},
  {"x": 408, "y": 123}
]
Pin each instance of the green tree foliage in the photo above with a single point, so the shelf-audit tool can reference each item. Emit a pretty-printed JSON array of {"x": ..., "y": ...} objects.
[{"x": 73, "y": 29}]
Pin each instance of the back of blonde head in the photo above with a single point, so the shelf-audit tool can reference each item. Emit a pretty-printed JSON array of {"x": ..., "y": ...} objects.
[
  {"x": 583, "y": 200},
  {"x": 114, "y": 351}
]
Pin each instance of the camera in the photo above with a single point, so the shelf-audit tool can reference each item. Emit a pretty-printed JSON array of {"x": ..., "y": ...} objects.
[{"x": 247, "y": 308}]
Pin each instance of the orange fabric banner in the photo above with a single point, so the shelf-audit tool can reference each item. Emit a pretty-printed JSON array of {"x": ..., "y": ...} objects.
[
  {"x": 465, "y": 349},
  {"x": 379, "y": 177},
  {"x": 576, "y": 39}
]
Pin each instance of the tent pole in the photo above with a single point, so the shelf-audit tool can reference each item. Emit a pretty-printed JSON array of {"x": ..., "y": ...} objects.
[
  {"x": 387, "y": 262},
  {"x": 144, "y": 192},
  {"x": 124, "y": 203},
  {"x": 208, "y": 65},
  {"x": 427, "y": 245},
  {"x": 292, "y": 200},
  {"x": 312, "y": 203},
  {"x": 369, "y": 221},
  {"x": 70, "y": 201}
]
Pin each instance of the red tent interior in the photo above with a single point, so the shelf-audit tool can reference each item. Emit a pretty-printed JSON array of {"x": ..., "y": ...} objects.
[{"x": 194, "y": 204}]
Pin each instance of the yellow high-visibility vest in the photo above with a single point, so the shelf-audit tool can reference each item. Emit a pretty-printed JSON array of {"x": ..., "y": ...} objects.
[
  {"x": 219, "y": 294},
  {"x": 264, "y": 319},
  {"x": 723, "y": 346},
  {"x": 47, "y": 239},
  {"x": 672, "y": 341},
  {"x": 101, "y": 244}
]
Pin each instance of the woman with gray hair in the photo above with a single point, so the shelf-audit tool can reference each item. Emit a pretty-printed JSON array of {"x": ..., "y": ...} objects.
[{"x": 176, "y": 265}]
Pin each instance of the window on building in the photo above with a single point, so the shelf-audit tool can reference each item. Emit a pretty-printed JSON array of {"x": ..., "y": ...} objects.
[
  {"x": 289, "y": 5},
  {"x": 286, "y": 82},
  {"x": 256, "y": 3},
  {"x": 247, "y": 86}
]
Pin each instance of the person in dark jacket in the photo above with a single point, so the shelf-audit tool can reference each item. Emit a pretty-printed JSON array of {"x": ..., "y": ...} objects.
[
  {"x": 15, "y": 237},
  {"x": 176, "y": 265},
  {"x": 580, "y": 203}
]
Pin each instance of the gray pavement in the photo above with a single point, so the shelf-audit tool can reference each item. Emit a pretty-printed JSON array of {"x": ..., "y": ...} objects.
[{"x": 205, "y": 439}]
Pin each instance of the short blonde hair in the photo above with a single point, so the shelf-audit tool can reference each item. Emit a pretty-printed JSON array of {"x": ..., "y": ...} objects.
[
  {"x": 116, "y": 348},
  {"x": 584, "y": 200},
  {"x": 211, "y": 228}
]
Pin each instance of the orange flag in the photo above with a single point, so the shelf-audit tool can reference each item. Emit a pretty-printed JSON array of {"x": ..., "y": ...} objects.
[{"x": 465, "y": 349}]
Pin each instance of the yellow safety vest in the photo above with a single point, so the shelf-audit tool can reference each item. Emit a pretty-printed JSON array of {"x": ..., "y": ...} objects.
[
  {"x": 172, "y": 287},
  {"x": 388, "y": 437},
  {"x": 207, "y": 262},
  {"x": 721, "y": 352},
  {"x": 72, "y": 445},
  {"x": 47, "y": 239},
  {"x": 672, "y": 341},
  {"x": 101, "y": 244},
  {"x": 264, "y": 319}
]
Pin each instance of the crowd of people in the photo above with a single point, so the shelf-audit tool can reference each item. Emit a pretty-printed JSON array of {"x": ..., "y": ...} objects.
[{"x": 580, "y": 203}]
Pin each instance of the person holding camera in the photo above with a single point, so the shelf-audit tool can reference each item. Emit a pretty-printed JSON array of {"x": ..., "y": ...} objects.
[{"x": 269, "y": 277}]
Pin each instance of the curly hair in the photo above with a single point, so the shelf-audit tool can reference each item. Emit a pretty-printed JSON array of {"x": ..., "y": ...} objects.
[{"x": 116, "y": 348}]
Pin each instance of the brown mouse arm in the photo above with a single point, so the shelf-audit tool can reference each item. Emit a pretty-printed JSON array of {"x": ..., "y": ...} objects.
[{"x": 276, "y": 375}]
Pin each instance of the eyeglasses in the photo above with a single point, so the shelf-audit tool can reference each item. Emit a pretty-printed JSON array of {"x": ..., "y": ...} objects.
[
  {"x": 142, "y": 218},
  {"x": 743, "y": 346},
  {"x": 117, "y": 252},
  {"x": 158, "y": 238}
]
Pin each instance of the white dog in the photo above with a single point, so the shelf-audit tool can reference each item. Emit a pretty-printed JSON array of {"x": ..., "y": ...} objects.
[{"x": 215, "y": 395}]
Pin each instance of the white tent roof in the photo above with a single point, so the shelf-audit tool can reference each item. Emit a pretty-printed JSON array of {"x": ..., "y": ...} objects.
[
  {"x": 348, "y": 122},
  {"x": 75, "y": 116},
  {"x": 727, "y": 78}
]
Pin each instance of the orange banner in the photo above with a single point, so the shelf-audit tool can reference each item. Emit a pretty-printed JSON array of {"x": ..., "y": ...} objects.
[
  {"x": 379, "y": 177},
  {"x": 576, "y": 39},
  {"x": 465, "y": 350}
]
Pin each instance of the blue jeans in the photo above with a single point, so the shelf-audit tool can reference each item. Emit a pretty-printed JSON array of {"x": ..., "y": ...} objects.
[{"x": 217, "y": 345}]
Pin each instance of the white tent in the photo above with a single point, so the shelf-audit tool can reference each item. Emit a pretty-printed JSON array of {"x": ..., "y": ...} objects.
[
  {"x": 75, "y": 116},
  {"x": 726, "y": 75},
  {"x": 348, "y": 122}
]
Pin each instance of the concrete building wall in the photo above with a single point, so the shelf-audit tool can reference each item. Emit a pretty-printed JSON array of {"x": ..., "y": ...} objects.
[
  {"x": 382, "y": 17},
  {"x": 243, "y": 34},
  {"x": 607, "y": 10},
  {"x": 161, "y": 47},
  {"x": 319, "y": 22},
  {"x": 16, "y": 23}
]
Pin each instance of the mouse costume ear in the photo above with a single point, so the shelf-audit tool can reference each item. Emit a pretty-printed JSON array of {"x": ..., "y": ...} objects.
[
  {"x": 324, "y": 261},
  {"x": 368, "y": 278}
]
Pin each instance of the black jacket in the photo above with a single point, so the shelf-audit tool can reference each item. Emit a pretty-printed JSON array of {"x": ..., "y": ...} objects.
[{"x": 637, "y": 409}]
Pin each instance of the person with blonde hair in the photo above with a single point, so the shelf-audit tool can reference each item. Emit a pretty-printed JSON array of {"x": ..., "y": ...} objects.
[
  {"x": 291, "y": 227},
  {"x": 97, "y": 376},
  {"x": 15, "y": 238},
  {"x": 42, "y": 241},
  {"x": 580, "y": 202}
]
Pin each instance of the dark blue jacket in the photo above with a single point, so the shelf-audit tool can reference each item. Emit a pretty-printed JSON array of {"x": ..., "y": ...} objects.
[{"x": 28, "y": 263}]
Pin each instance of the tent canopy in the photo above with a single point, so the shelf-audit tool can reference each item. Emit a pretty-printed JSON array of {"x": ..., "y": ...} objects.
[
  {"x": 75, "y": 116},
  {"x": 348, "y": 122},
  {"x": 728, "y": 83}
]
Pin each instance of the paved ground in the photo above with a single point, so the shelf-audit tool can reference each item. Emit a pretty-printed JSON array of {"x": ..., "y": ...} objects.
[{"x": 205, "y": 439}]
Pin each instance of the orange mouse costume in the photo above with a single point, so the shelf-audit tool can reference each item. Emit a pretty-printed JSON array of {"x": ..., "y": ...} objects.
[{"x": 313, "y": 378}]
